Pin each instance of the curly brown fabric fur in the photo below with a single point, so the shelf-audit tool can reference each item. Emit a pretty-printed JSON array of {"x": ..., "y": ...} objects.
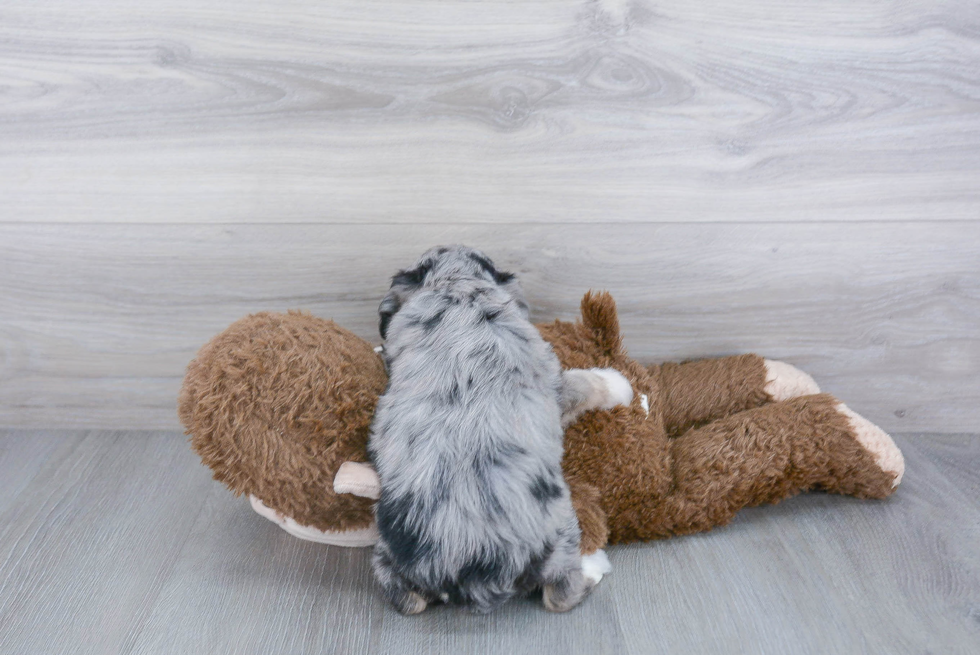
[
  {"x": 275, "y": 404},
  {"x": 735, "y": 447},
  {"x": 622, "y": 452},
  {"x": 762, "y": 456},
  {"x": 701, "y": 391},
  {"x": 591, "y": 519}
]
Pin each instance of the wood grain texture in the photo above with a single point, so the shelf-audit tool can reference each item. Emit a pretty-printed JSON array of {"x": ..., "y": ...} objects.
[
  {"x": 122, "y": 544},
  {"x": 788, "y": 570},
  {"x": 795, "y": 178},
  {"x": 86, "y": 545},
  {"x": 496, "y": 111},
  {"x": 97, "y": 322},
  {"x": 22, "y": 455}
]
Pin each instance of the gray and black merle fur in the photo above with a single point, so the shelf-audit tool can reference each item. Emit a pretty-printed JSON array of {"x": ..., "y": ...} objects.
[{"x": 467, "y": 441}]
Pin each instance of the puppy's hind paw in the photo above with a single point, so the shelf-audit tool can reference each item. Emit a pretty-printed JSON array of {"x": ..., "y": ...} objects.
[
  {"x": 619, "y": 391},
  {"x": 407, "y": 602},
  {"x": 566, "y": 593}
]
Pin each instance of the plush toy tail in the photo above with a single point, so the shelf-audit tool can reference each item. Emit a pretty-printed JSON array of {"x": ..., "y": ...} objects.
[{"x": 599, "y": 315}]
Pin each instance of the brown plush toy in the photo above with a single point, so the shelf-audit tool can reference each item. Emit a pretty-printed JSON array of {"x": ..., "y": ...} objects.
[{"x": 280, "y": 405}]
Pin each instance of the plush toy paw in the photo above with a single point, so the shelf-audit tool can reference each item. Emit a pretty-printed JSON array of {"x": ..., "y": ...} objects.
[
  {"x": 785, "y": 381},
  {"x": 619, "y": 391},
  {"x": 595, "y": 566},
  {"x": 877, "y": 442}
]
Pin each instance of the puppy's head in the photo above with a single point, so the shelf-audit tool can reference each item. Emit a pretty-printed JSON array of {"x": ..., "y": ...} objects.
[{"x": 446, "y": 268}]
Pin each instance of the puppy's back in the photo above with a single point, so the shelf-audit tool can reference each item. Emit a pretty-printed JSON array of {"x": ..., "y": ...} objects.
[{"x": 467, "y": 441}]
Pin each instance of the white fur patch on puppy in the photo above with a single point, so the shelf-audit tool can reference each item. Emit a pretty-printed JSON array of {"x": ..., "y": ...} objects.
[
  {"x": 594, "y": 388},
  {"x": 877, "y": 442},
  {"x": 785, "y": 381},
  {"x": 619, "y": 391},
  {"x": 595, "y": 566}
]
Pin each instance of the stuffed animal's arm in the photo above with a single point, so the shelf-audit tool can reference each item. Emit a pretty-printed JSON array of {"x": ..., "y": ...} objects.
[
  {"x": 697, "y": 392},
  {"x": 594, "y": 388}
]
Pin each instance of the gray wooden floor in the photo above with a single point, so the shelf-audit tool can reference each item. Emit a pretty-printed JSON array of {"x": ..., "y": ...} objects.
[{"x": 119, "y": 542}]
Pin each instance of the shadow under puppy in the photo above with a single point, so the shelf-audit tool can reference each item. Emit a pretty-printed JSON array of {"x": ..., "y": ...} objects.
[{"x": 467, "y": 441}]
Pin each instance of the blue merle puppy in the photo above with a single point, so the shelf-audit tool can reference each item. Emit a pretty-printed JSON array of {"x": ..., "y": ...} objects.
[{"x": 467, "y": 441}]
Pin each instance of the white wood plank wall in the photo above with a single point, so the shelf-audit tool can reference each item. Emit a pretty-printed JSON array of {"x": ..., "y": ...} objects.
[{"x": 795, "y": 178}]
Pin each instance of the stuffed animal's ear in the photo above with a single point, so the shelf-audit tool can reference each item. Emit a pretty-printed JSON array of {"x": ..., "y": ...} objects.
[
  {"x": 358, "y": 479},
  {"x": 599, "y": 315}
]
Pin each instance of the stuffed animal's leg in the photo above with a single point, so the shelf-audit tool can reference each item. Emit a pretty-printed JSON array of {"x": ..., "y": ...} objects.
[
  {"x": 698, "y": 392},
  {"x": 594, "y": 388},
  {"x": 766, "y": 454}
]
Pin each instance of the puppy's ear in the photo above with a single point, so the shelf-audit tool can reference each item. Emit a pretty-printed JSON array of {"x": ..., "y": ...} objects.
[
  {"x": 501, "y": 278},
  {"x": 506, "y": 281},
  {"x": 514, "y": 289},
  {"x": 389, "y": 306},
  {"x": 403, "y": 284}
]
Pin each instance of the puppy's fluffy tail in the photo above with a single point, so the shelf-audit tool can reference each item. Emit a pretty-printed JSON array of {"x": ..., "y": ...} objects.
[{"x": 599, "y": 315}]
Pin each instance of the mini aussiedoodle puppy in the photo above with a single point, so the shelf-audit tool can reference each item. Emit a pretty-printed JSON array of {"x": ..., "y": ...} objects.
[{"x": 467, "y": 441}]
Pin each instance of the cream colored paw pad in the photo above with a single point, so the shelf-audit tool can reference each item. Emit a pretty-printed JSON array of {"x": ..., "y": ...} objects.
[
  {"x": 877, "y": 442},
  {"x": 785, "y": 381}
]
